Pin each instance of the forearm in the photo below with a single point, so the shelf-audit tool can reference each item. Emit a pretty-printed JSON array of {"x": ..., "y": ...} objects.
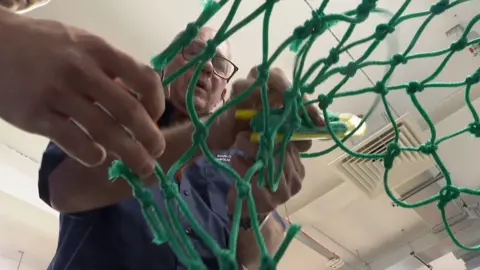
[
  {"x": 74, "y": 187},
  {"x": 248, "y": 251}
]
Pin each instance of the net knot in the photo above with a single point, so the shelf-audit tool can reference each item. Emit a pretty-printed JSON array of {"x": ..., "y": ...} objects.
[
  {"x": 307, "y": 88},
  {"x": 350, "y": 70},
  {"x": 447, "y": 194},
  {"x": 414, "y": 87},
  {"x": 398, "y": 59},
  {"x": 210, "y": 7},
  {"x": 459, "y": 44},
  {"x": 363, "y": 10},
  {"x": 268, "y": 143},
  {"x": 380, "y": 88},
  {"x": 119, "y": 170},
  {"x": 144, "y": 195},
  {"x": 428, "y": 148},
  {"x": 170, "y": 189},
  {"x": 473, "y": 79},
  {"x": 300, "y": 33},
  {"x": 439, "y": 7},
  {"x": 263, "y": 72},
  {"x": 210, "y": 50},
  {"x": 227, "y": 260},
  {"x": 200, "y": 134},
  {"x": 191, "y": 30},
  {"x": 333, "y": 57},
  {"x": 267, "y": 262},
  {"x": 296, "y": 122},
  {"x": 243, "y": 188},
  {"x": 324, "y": 101},
  {"x": 303, "y": 31},
  {"x": 393, "y": 151},
  {"x": 291, "y": 95},
  {"x": 317, "y": 23},
  {"x": 474, "y": 129},
  {"x": 382, "y": 30}
]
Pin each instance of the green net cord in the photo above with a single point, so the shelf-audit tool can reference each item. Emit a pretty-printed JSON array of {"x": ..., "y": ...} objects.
[{"x": 166, "y": 226}]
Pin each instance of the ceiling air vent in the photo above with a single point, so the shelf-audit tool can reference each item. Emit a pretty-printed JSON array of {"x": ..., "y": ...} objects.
[{"x": 367, "y": 174}]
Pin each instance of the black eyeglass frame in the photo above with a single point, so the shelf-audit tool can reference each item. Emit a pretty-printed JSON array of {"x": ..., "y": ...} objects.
[{"x": 235, "y": 68}]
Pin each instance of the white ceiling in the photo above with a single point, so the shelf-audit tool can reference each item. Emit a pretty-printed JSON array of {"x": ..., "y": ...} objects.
[
  {"x": 28, "y": 229},
  {"x": 333, "y": 212}
]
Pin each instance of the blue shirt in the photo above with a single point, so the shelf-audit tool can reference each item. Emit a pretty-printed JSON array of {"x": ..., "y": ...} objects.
[{"x": 117, "y": 237}]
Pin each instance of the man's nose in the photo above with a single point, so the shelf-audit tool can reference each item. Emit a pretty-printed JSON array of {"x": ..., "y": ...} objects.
[{"x": 208, "y": 68}]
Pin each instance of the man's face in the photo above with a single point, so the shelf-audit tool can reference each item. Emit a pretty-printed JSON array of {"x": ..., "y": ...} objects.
[{"x": 211, "y": 86}]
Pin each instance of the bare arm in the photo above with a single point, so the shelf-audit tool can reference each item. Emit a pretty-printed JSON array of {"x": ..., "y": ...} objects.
[
  {"x": 248, "y": 252},
  {"x": 75, "y": 188}
]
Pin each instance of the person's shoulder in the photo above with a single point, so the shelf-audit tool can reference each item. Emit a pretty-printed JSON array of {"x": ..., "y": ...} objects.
[{"x": 51, "y": 159}]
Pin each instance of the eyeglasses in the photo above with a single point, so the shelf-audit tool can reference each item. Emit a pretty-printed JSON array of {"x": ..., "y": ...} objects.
[{"x": 222, "y": 67}]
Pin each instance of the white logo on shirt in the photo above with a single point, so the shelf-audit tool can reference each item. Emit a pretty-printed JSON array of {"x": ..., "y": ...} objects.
[{"x": 224, "y": 158}]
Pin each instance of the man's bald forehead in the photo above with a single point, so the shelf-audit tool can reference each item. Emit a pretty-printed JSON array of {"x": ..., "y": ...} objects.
[
  {"x": 207, "y": 29},
  {"x": 211, "y": 32}
]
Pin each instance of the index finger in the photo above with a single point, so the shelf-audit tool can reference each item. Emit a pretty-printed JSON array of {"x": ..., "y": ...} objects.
[
  {"x": 314, "y": 113},
  {"x": 122, "y": 107},
  {"x": 277, "y": 79},
  {"x": 138, "y": 77},
  {"x": 254, "y": 100}
]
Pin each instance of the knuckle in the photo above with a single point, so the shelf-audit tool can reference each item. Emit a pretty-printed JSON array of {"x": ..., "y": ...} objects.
[
  {"x": 152, "y": 79},
  {"x": 94, "y": 45},
  {"x": 70, "y": 66},
  {"x": 114, "y": 140},
  {"x": 295, "y": 187},
  {"x": 283, "y": 197},
  {"x": 301, "y": 171},
  {"x": 239, "y": 86},
  {"x": 154, "y": 89},
  {"x": 133, "y": 111},
  {"x": 51, "y": 97},
  {"x": 276, "y": 71},
  {"x": 97, "y": 133},
  {"x": 47, "y": 128},
  {"x": 253, "y": 72}
]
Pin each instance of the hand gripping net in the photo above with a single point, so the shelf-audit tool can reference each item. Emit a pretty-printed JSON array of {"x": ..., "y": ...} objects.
[{"x": 166, "y": 225}]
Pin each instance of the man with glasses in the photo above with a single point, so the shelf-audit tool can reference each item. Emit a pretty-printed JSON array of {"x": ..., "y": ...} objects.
[
  {"x": 101, "y": 225},
  {"x": 212, "y": 85}
]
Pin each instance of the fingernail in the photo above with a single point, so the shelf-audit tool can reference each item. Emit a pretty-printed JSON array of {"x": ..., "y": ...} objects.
[
  {"x": 148, "y": 168},
  {"x": 159, "y": 146},
  {"x": 158, "y": 152}
]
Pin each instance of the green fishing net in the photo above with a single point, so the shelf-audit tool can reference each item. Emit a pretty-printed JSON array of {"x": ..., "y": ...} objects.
[{"x": 166, "y": 225}]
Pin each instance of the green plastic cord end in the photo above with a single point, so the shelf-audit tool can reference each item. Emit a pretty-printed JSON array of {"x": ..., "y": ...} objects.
[
  {"x": 119, "y": 170},
  {"x": 206, "y": 3}
]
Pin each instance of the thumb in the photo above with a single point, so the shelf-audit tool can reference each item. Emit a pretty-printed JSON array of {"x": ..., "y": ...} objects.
[{"x": 245, "y": 144}]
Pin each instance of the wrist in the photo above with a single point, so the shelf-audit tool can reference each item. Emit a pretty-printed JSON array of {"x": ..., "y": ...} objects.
[
  {"x": 4, "y": 11},
  {"x": 246, "y": 221}
]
